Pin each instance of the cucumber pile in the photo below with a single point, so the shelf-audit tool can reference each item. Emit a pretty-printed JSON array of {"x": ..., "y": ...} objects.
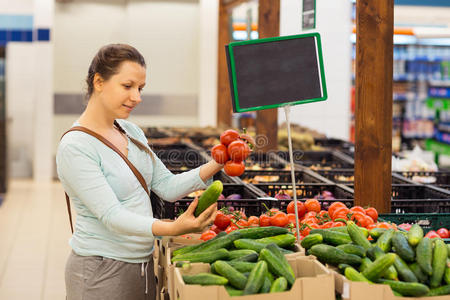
[
  {"x": 246, "y": 261},
  {"x": 411, "y": 264}
]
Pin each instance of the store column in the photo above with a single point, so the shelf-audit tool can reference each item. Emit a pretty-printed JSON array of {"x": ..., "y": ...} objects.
[{"x": 43, "y": 114}]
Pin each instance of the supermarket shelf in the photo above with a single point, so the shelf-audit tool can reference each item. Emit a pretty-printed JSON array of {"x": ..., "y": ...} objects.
[{"x": 437, "y": 147}]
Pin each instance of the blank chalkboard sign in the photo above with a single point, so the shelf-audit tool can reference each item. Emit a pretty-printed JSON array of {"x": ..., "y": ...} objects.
[{"x": 273, "y": 72}]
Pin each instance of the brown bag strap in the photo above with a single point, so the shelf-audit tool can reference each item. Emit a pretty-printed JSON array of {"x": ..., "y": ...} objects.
[{"x": 110, "y": 145}]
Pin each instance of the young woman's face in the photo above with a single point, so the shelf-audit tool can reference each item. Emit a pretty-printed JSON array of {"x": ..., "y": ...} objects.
[{"x": 121, "y": 93}]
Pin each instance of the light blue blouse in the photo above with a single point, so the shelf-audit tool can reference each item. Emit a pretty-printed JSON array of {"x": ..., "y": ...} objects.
[{"x": 114, "y": 213}]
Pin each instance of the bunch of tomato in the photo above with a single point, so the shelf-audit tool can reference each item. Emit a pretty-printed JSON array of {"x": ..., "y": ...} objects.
[
  {"x": 440, "y": 233},
  {"x": 232, "y": 151},
  {"x": 310, "y": 216}
]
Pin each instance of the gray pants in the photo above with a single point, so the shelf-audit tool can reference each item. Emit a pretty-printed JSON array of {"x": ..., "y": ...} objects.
[{"x": 97, "y": 278}]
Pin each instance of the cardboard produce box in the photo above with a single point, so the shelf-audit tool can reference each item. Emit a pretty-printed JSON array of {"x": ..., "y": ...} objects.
[
  {"x": 299, "y": 251},
  {"x": 314, "y": 281},
  {"x": 352, "y": 290}
]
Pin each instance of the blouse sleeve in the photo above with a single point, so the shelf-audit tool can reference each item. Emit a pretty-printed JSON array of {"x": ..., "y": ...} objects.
[{"x": 81, "y": 175}]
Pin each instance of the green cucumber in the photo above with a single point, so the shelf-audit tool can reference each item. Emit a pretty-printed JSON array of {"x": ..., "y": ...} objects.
[
  {"x": 266, "y": 286},
  {"x": 385, "y": 240},
  {"x": 415, "y": 235},
  {"x": 209, "y": 197},
  {"x": 341, "y": 229},
  {"x": 366, "y": 262},
  {"x": 440, "y": 291},
  {"x": 439, "y": 263},
  {"x": 198, "y": 246},
  {"x": 424, "y": 257},
  {"x": 333, "y": 237},
  {"x": 204, "y": 257},
  {"x": 242, "y": 266},
  {"x": 239, "y": 253},
  {"x": 222, "y": 242},
  {"x": 407, "y": 288},
  {"x": 420, "y": 275},
  {"x": 275, "y": 266},
  {"x": 256, "y": 278},
  {"x": 282, "y": 240},
  {"x": 333, "y": 255},
  {"x": 375, "y": 233},
  {"x": 279, "y": 285},
  {"x": 353, "y": 249},
  {"x": 262, "y": 232},
  {"x": 353, "y": 275},
  {"x": 342, "y": 267},
  {"x": 391, "y": 273},
  {"x": 402, "y": 247},
  {"x": 235, "y": 278},
  {"x": 281, "y": 258},
  {"x": 232, "y": 291},
  {"x": 311, "y": 240},
  {"x": 447, "y": 272},
  {"x": 404, "y": 272},
  {"x": 254, "y": 245},
  {"x": 357, "y": 235},
  {"x": 205, "y": 279},
  {"x": 448, "y": 250},
  {"x": 253, "y": 257},
  {"x": 379, "y": 266}
]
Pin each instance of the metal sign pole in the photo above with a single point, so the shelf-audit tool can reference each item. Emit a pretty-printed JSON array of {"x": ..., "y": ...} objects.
[{"x": 287, "y": 111}]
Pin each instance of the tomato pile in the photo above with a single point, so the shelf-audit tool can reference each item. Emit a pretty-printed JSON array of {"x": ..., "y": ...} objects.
[
  {"x": 310, "y": 216},
  {"x": 440, "y": 233},
  {"x": 232, "y": 151}
]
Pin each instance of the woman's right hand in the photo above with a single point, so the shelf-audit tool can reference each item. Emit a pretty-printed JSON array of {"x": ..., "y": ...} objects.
[{"x": 188, "y": 223}]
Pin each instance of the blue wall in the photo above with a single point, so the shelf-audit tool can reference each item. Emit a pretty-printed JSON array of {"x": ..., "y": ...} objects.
[{"x": 19, "y": 28}]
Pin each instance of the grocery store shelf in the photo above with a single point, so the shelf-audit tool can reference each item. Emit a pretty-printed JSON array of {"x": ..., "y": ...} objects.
[{"x": 437, "y": 147}]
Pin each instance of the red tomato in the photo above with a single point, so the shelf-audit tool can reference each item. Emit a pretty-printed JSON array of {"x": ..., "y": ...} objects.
[
  {"x": 215, "y": 229},
  {"x": 333, "y": 207},
  {"x": 242, "y": 223},
  {"x": 432, "y": 234},
  {"x": 310, "y": 214},
  {"x": 234, "y": 168},
  {"x": 358, "y": 218},
  {"x": 443, "y": 233},
  {"x": 323, "y": 214},
  {"x": 312, "y": 205},
  {"x": 341, "y": 213},
  {"x": 238, "y": 150},
  {"x": 207, "y": 235},
  {"x": 300, "y": 208},
  {"x": 222, "y": 221},
  {"x": 264, "y": 220},
  {"x": 229, "y": 136},
  {"x": 279, "y": 219},
  {"x": 291, "y": 218},
  {"x": 384, "y": 225},
  {"x": 327, "y": 225},
  {"x": 306, "y": 230},
  {"x": 231, "y": 228},
  {"x": 358, "y": 209},
  {"x": 405, "y": 226},
  {"x": 253, "y": 221},
  {"x": 338, "y": 224},
  {"x": 373, "y": 213},
  {"x": 368, "y": 221},
  {"x": 220, "y": 154}
]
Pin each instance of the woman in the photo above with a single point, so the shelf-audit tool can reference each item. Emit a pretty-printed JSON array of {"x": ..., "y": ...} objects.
[{"x": 115, "y": 229}]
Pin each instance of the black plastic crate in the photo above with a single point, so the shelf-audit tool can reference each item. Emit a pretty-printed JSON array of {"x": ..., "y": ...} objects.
[
  {"x": 346, "y": 176},
  {"x": 264, "y": 160},
  {"x": 441, "y": 178},
  {"x": 410, "y": 191},
  {"x": 222, "y": 176},
  {"x": 180, "y": 157},
  {"x": 318, "y": 160},
  {"x": 155, "y": 133},
  {"x": 432, "y": 221},
  {"x": 249, "y": 203},
  {"x": 337, "y": 144},
  {"x": 306, "y": 191},
  {"x": 278, "y": 176}
]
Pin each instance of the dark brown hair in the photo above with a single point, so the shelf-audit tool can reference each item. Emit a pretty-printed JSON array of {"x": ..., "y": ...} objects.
[{"x": 107, "y": 62}]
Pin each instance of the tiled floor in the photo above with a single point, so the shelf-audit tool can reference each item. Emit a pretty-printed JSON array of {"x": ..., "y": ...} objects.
[{"x": 34, "y": 234}]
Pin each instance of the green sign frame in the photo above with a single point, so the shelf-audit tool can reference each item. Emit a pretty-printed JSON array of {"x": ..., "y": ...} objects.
[{"x": 321, "y": 69}]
